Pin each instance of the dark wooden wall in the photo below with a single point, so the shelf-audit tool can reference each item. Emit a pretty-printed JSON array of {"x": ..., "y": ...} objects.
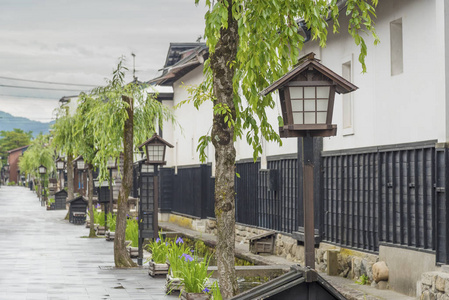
[{"x": 391, "y": 195}]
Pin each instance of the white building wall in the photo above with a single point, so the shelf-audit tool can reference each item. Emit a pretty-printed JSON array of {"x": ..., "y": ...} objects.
[
  {"x": 193, "y": 123},
  {"x": 403, "y": 108},
  {"x": 388, "y": 109}
]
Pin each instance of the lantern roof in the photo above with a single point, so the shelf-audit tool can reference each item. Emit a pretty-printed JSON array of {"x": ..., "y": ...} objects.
[
  {"x": 78, "y": 158},
  {"x": 155, "y": 139},
  {"x": 59, "y": 159},
  {"x": 342, "y": 86}
]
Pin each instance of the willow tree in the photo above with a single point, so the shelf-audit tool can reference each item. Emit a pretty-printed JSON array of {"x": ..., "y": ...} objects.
[
  {"x": 38, "y": 153},
  {"x": 127, "y": 116},
  {"x": 64, "y": 143},
  {"x": 251, "y": 44},
  {"x": 86, "y": 146}
]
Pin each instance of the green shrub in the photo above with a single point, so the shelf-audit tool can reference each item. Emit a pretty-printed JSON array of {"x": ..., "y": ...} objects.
[
  {"x": 132, "y": 232},
  {"x": 194, "y": 274},
  {"x": 177, "y": 248},
  {"x": 159, "y": 250},
  {"x": 112, "y": 221},
  {"x": 11, "y": 183}
]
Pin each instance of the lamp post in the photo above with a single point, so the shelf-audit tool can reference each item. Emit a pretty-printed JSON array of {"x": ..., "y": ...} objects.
[
  {"x": 42, "y": 171},
  {"x": 60, "y": 165},
  {"x": 81, "y": 166},
  {"x": 112, "y": 164},
  {"x": 155, "y": 149},
  {"x": 307, "y": 100}
]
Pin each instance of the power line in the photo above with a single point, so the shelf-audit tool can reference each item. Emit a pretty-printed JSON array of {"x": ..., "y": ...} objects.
[
  {"x": 37, "y": 88},
  {"x": 47, "y": 82},
  {"x": 32, "y": 97}
]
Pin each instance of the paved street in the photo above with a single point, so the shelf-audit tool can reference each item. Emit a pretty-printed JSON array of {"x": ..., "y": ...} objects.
[{"x": 43, "y": 256}]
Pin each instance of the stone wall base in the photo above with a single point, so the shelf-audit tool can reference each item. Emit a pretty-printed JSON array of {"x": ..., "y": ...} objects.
[{"x": 348, "y": 263}]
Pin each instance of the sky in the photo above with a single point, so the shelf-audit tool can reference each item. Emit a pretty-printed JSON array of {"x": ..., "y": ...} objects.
[{"x": 80, "y": 42}]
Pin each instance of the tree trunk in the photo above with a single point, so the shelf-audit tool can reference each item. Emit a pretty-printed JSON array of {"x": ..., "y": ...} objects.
[
  {"x": 70, "y": 194},
  {"x": 121, "y": 256},
  {"x": 223, "y": 140},
  {"x": 90, "y": 195}
]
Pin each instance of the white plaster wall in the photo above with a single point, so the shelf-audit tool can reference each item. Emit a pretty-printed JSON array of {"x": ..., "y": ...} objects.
[
  {"x": 193, "y": 123},
  {"x": 404, "y": 108}
]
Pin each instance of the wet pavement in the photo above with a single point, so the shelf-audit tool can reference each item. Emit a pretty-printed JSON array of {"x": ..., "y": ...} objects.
[{"x": 43, "y": 256}]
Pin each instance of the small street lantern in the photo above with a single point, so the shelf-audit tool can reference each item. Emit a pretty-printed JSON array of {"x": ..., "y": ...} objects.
[
  {"x": 155, "y": 150},
  {"x": 112, "y": 164},
  {"x": 80, "y": 165},
  {"x": 148, "y": 208},
  {"x": 60, "y": 164},
  {"x": 7, "y": 168},
  {"x": 42, "y": 169},
  {"x": 307, "y": 98}
]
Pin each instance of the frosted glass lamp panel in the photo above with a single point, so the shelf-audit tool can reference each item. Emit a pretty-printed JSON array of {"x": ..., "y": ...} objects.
[
  {"x": 297, "y": 105},
  {"x": 322, "y": 92},
  {"x": 156, "y": 152},
  {"x": 309, "y": 105},
  {"x": 321, "y": 117},
  {"x": 147, "y": 168},
  {"x": 80, "y": 164},
  {"x": 296, "y": 92},
  {"x": 309, "y": 92},
  {"x": 321, "y": 105},
  {"x": 298, "y": 118},
  {"x": 309, "y": 118}
]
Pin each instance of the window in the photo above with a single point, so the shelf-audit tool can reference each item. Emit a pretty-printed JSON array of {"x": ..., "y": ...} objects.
[
  {"x": 397, "y": 61},
  {"x": 348, "y": 107}
]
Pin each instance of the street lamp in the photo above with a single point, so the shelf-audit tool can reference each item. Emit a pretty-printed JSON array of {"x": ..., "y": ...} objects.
[
  {"x": 42, "y": 171},
  {"x": 112, "y": 164},
  {"x": 81, "y": 166},
  {"x": 102, "y": 199},
  {"x": 155, "y": 149},
  {"x": 60, "y": 165},
  {"x": 307, "y": 100}
]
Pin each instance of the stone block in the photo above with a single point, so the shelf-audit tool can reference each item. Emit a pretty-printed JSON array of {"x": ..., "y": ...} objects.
[
  {"x": 380, "y": 271},
  {"x": 428, "y": 295},
  {"x": 440, "y": 282},
  {"x": 332, "y": 262},
  {"x": 428, "y": 278}
]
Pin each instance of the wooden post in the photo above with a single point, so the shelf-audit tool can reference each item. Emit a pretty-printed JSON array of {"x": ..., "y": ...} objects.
[{"x": 308, "y": 204}]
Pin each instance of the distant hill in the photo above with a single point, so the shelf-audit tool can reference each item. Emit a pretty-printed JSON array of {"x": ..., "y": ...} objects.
[{"x": 8, "y": 122}]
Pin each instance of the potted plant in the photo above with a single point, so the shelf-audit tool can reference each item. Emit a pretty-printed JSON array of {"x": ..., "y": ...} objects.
[
  {"x": 158, "y": 262},
  {"x": 132, "y": 234},
  {"x": 110, "y": 234},
  {"x": 195, "y": 278},
  {"x": 177, "y": 248}
]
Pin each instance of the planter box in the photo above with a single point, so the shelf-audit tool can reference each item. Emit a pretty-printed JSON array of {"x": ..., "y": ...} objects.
[
  {"x": 157, "y": 269},
  {"x": 173, "y": 284},
  {"x": 101, "y": 230},
  {"x": 195, "y": 296},
  {"x": 110, "y": 235},
  {"x": 133, "y": 251}
]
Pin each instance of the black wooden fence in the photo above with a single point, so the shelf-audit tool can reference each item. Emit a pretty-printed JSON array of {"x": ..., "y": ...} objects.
[
  {"x": 393, "y": 195},
  {"x": 380, "y": 195}
]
